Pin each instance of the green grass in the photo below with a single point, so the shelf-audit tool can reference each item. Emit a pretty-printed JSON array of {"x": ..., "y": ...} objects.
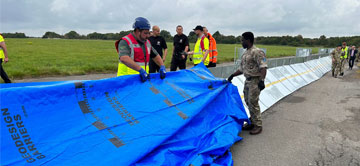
[
  {"x": 50, "y": 57},
  {"x": 58, "y": 57}
]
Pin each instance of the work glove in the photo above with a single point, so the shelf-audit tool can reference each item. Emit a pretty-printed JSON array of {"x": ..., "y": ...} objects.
[
  {"x": 230, "y": 78},
  {"x": 261, "y": 85},
  {"x": 184, "y": 53},
  {"x": 143, "y": 75},
  {"x": 162, "y": 72}
]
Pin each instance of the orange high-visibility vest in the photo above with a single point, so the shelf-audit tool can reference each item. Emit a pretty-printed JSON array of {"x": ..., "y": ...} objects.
[{"x": 212, "y": 49}]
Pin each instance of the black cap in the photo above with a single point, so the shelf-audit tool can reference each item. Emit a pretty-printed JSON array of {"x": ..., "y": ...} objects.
[{"x": 199, "y": 27}]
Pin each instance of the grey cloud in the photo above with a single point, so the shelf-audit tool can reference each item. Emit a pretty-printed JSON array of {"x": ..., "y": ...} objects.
[{"x": 310, "y": 18}]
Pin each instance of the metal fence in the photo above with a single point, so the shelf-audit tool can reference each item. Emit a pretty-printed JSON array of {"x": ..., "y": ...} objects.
[
  {"x": 303, "y": 52},
  {"x": 325, "y": 50},
  {"x": 225, "y": 71}
]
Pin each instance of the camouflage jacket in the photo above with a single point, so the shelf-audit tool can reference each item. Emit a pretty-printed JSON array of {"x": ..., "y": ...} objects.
[
  {"x": 335, "y": 54},
  {"x": 252, "y": 61}
]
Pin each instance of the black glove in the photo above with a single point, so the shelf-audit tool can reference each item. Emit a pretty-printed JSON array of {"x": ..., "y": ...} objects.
[
  {"x": 184, "y": 53},
  {"x": 261, "y": 85},
  {"x": 230, "y": 78}
]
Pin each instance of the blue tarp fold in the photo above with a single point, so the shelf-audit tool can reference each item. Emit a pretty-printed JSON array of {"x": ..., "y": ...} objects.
[{"x": 190, "y": 117}]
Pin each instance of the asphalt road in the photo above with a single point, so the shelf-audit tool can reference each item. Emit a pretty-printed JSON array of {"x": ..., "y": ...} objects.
[{"x": 317, "y": 125}]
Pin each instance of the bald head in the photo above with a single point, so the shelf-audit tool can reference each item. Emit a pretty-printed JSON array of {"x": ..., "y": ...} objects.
[{"x": 156, "y": 30}]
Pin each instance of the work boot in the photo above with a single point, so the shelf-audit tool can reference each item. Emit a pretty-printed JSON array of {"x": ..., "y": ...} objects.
[
  {"x": 248, "y": 126},
  {"x": 256, "y": 130}
]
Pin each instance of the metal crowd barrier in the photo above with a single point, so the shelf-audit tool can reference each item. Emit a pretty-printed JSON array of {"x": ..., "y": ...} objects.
[{"x": 225, "y": 71}]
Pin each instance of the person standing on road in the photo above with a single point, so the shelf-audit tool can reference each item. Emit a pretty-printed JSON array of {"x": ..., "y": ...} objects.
[
  {"x": 358, "y": 55},
  {"x": 201, "y": 49},
  {"x": 352, "y": 54},
  {"x": 253, "y": 66},
  {"x": 335, "y": 55},
  {"x": 343, "y": 58},
  {"x": 181, "y": 46},
  {"x": 159, "y": 44},
  {"x": 213, "y": 53},
  {"x": 134, "y": 52},
  {"x": 3, "y": 58}
]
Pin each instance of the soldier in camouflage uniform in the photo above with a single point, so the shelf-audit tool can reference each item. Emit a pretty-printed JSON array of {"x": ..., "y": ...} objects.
[
  {"x": 253, "y": 66},
  {"x": 335, "y": 55}
]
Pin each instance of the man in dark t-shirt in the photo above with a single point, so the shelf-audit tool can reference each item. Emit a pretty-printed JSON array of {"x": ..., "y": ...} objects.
[
  {"x": 158, "y": 43},
  {"x": 181, "y": 44}
]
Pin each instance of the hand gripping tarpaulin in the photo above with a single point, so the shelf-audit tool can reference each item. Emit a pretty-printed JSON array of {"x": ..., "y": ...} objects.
[{"x": 190, "y": 117}]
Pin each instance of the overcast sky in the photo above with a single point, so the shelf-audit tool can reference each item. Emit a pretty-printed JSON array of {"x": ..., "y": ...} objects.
[{"x": 310, "y": 18}]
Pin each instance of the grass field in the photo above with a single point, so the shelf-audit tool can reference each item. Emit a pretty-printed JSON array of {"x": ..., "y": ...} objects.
[{"x": 55, "y": 57}]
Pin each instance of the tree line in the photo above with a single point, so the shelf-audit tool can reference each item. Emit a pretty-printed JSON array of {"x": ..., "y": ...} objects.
[{"x": 297, "y": 41}]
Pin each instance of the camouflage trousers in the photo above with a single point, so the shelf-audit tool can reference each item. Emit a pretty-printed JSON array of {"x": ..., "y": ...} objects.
[
  {"x": 251, "y": 95},
  {"x": 335, "y": 68},
  {"x": 342, "y": 65}
]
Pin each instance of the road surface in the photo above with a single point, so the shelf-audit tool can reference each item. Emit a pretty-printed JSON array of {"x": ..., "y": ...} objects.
[{"x": 317, "y": 125}]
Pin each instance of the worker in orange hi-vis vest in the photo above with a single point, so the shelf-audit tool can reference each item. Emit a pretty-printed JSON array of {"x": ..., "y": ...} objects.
[{"x": 212, "y": 49}]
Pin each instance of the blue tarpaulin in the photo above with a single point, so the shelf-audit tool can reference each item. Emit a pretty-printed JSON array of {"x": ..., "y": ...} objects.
[{"x": 190, "y": 117}]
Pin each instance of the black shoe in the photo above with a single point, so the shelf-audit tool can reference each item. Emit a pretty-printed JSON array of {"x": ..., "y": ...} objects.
[
  {"x": 248, "y": 126},
  {"x": 333, "y": 74},
  {"x": 256, "y": 130},
  {"x": 341, "y": 74}
]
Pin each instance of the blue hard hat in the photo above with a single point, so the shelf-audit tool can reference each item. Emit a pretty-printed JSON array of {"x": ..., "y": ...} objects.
[{"x": 141, "y": 23}]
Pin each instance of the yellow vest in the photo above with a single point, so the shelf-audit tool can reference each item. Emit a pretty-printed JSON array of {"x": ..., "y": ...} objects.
[
  {"x": 201, "y": 45},
  {"x": 136, "y": 54},
  {"x": 346, "y": 53},
  {"x": 124, "y": 70},
  {"x": 2, "y": 55}
]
